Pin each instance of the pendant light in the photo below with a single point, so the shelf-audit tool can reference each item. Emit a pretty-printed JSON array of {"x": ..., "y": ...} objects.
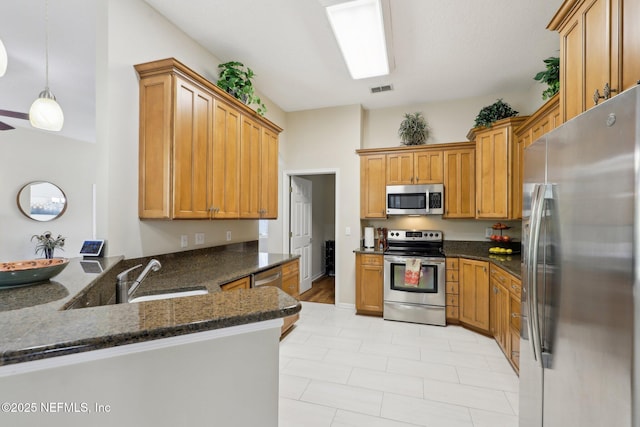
[
  {"x": 45, "y": 113},
  {"x": 3, "y": 59}
]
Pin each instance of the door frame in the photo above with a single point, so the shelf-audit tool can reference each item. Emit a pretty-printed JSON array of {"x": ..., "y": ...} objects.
[{"x": 286, "y": 220}]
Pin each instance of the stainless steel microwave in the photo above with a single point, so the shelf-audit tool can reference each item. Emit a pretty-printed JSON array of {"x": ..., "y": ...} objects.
[{"x": 427, "y": 199}]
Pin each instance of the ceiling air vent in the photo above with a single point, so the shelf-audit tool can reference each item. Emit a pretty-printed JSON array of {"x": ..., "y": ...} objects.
[{"x": 379, "y": 89}]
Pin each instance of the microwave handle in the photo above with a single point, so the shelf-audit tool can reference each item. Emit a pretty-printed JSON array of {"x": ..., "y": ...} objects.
[{"x": 427, "y": 200}]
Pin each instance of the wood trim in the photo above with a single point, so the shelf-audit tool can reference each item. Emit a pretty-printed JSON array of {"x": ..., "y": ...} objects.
[
  {"x": 564, "y": 12},
  {"x": 545, "y": 109},
  {"x": 417, "y": 148},
  {"x": 172, "y": 65},
  {"x": 514, "y": 121}
]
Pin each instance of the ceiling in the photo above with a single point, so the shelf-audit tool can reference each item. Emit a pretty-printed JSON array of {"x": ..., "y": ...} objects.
[{"x": 441, "y": 50}]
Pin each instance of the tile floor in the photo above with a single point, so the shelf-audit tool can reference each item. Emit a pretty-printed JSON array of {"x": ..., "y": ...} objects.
[{"x": 339, "y": 369}]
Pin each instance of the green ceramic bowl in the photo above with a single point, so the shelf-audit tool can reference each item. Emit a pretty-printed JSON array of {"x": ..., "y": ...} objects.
[{"x": 23, "y": 273}]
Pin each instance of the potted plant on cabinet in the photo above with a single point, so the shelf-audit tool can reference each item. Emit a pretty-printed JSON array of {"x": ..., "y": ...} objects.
[
  {"x": 414, "y": 129},
  {"x": 492, "y": 113},
  {"x": 235, "y": 79},
  {"x": 550, "y": 76}
]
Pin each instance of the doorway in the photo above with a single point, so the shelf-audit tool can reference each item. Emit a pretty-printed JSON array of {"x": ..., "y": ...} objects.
[{"x": 312, "y": 198}]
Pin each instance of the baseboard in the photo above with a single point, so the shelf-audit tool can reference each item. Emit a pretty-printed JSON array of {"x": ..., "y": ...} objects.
[
  {"x": 317, "y": 276},
  {"x": 345, "y": 305}
]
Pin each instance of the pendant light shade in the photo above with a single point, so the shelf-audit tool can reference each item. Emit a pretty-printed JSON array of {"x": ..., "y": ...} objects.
[
  {"x": 3, "y": 59},
  {"x": 45, "y": 112}
]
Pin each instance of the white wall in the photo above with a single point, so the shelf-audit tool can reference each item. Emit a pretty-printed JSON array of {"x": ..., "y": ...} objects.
[{"x": 327, "y": 139}]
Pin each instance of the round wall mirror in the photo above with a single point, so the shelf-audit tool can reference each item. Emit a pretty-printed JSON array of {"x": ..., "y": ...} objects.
[{"x": 42, "y": 201}]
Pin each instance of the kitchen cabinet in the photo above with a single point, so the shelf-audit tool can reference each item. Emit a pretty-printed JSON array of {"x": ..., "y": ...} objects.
[
  {"x": 244, "y": 283},
  {"x": 452, "y": 290},
  {"x": 459, "y": 183},
  {"x": 373, "y": 190},
  {"x": 258, "y": 171},
  {"x": 369, "y": 284},
  {"x": 499, "y": 313},
  {"x": 419, "y": 167},
  {"x": 226, "y": 162},
  {"x": 291, "y": 285},
  {"x": 474, "y": 293},
  {"x": 291, "y": 278},
  {"x": 505, "y": 313},
  {"x": 190, "y": 147},
  {"x": 599, "y": 45},
  {"x": 497, "y": 157}
]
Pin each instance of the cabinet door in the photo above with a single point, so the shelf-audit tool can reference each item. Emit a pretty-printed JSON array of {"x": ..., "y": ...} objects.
[
  {"x": 585, "y": 56},
  {"x": 427, "y": 167},
  {"x": 459, "y": 183},
  {"x": 474, "y": 293},
  {"x": 268, "y": 175},
  {"x": 154, "y": 162},
  {"x": 492, "y": 173},
  {"x": 192, "y": 151},
  {"x": 499, "y": 315},
  {"x": 400, "y": 169},
  {"x": 250, "y": 134},
  {"x": 372, "y": 186},
  {"x": 226, "y": 162},
  {"x": 369, "y": 283}
]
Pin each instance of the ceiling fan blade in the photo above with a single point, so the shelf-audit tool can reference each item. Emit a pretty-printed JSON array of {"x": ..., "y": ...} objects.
[
  {"x": 14, "y": 114},
  {"x": 4, "y": 126}
]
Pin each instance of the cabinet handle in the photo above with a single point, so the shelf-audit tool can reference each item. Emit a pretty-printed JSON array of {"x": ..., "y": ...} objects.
[
  {"x": 597, "y": 97},
  {"x": 607, "y": 91},
  {"x": 515, "y": 315},
  {"x": 495, "y": 290},
  {"x": 515, "y": 353}
]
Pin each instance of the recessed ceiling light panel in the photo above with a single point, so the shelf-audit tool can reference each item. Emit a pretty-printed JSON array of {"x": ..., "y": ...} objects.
[{"x": 359, "y": 29}]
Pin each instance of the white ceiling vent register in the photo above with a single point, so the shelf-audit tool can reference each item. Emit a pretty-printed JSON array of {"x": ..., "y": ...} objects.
[{"x": 384, "y": 88}]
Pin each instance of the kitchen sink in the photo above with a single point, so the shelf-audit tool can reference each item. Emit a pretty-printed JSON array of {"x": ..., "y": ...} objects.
[{"x": 169, "y": 295}]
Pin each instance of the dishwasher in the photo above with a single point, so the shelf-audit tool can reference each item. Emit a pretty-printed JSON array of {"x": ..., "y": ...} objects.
[{"x": 270, "y": 277}]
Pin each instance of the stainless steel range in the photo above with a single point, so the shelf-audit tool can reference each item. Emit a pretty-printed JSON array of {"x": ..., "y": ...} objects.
[{"x": 414, "y": 277}]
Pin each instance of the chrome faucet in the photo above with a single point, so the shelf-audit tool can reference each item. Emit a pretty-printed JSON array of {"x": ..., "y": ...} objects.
[{"x": 123, "y": 291}]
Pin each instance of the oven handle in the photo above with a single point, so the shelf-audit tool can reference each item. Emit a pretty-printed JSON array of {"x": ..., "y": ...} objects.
[{"x": 401, "y": 259}]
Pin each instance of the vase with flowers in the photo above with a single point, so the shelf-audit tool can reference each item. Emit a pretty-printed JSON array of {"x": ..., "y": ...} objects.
[{"x": 46, "y": 243}]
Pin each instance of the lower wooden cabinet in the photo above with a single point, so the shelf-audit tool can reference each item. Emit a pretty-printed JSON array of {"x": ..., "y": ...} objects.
[
  {"x": 291, "y": 285},
  {"x": 452, "y": 289},
  {"x": 369, "y": 284},
  {"x": 474, "y": 293},
  {"x": 291, "y": 278},
  {"x": 244, "y": 283},
  {"x": 505, "y": 313}
]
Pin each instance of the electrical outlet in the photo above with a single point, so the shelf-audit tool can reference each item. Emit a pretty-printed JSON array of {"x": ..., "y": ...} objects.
[
  {"x": 488, "y": 232},
  {"x": 347, "y": 231},
  {"x": 199, "y": 239},
  {"x": 228, "y": 235},
  {"x": 184, "y": 241}
]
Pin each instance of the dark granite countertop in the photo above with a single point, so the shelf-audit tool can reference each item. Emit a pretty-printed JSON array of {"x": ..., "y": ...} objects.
[
  {"x": 474, "y": 250},
  {"x": 46, "y": 320},
  {"x": 480, "y": 251}
]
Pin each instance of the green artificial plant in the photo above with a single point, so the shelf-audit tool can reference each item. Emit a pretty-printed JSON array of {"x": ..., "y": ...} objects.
[
  {"x": 550, "y": 76},
  {"x": 414, "y": 129},
  {"x": 235, "y": 78},
  {"x": 494, "y": 112}
]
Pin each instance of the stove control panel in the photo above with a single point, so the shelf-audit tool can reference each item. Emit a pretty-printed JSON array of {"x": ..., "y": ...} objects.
[{"x": 415, "y": 235}]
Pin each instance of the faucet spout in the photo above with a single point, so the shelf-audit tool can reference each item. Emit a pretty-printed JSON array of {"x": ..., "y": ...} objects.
[{"x": 123, "y": 291}]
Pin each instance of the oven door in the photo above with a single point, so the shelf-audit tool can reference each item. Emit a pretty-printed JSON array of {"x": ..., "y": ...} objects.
[{"x": 431, "y": 286}]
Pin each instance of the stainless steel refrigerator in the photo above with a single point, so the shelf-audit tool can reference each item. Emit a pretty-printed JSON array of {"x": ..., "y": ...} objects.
[{"x": 578, "y": 348}]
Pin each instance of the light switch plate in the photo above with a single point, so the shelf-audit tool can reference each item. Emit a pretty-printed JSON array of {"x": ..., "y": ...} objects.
[
  {"x": 199, "y": 239},
  {"x": 347, "y": 231},
  {"x": 184, "y": 241},
  {"x": 228, "y": 236}
]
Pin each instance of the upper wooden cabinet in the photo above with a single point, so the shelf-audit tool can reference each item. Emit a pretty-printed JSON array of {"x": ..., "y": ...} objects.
[
  {"x": 420, "y": 167},
  {"x": 599, "y": 45},
  {"x": 372, "y": 186},
  {"x": 459, "y": 183},
  {"x": 424, "y": 164},
  {"x": 497, "y": 156},
  {"x": 193, "y": 146}
]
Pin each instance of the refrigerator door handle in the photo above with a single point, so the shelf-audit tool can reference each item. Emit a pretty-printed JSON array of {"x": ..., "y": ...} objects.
[{"x": 533, "y": 324}]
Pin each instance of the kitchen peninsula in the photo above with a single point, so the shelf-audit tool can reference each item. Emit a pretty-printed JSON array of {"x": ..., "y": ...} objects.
[{"x": 173, "y": 361}]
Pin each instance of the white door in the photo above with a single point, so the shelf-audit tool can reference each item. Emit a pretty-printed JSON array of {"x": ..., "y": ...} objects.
[{"x": 300, "y": 227}]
